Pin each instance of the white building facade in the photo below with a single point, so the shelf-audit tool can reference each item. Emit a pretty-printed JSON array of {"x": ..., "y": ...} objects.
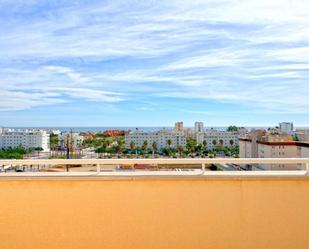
[
  {"x": 286, "y": 127},
  {"x": 29, "y": 139},
  {"x": 198, "y": 127},
  {"x": 162, "y": 138},
  {"x": 221, "y": 138}
]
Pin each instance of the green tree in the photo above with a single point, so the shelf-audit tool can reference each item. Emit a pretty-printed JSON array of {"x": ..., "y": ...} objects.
[
  {"x": 14, "y": 153},
  {"x": 191, "y": 144},
  {"x": 118, "y": 148},
  {"x": 105, "y": 144},
  {"x": 232, "y": 128},
  {"x": 132, "y": 145},
  {"x": 120, "y": 145},
  {"x": 214, "y": 142},
  {"x": 199, "y": 148},
  {"x": 221, "y": 142},
  {"x": 231, "y": 142},
  {"x": 154, "y": 146},
  {"x": 205, "y": 144},
  {"x": 145, "y": 145},
  {"x": 180, "y": 149},
  {"x": 54, "y": 139},
  {"x": 169, "y": 143}
]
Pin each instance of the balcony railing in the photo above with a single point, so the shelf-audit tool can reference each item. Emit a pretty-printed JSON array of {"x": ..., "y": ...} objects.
[{"x": 166, "y": 164}]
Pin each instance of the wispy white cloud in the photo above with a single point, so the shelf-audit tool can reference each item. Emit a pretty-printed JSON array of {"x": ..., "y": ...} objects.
[
  {"x": 49, "y": 85},
  {"x": 250, "y": 53}
]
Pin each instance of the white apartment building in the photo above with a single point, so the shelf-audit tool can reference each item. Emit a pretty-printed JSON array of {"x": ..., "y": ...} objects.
[
  {"x": 198, "y": 127},
  {"x": 228, "y": 139},
  {"x": 286, "y": 127},
  {"x": 177, "y": 138},
  {"x": 11, "y": 138}
]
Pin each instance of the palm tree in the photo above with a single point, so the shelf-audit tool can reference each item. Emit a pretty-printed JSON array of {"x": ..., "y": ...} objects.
[
  {"x": 145, "y": 145},
  {"x": 132, "y": 145},
  {"x": 105, "y": 144},
  {"x": 204, "y": 143},
  {"x": 231, "y": 142},
  {"x": 221, "y": 142},
  {"x": 119, "y": 146},
  {"x": 214, "y": 142},
  {"x": 199, "y": 149},
  {"x": 154, "y": 147},
  {"x": 169, "y": 143},
  {"x": 103, "y": 148}
]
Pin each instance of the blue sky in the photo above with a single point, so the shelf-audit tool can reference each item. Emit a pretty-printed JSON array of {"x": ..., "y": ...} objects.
[{"x": 151, "y": 63}]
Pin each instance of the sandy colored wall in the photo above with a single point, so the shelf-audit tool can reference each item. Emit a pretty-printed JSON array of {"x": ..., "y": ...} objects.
[{"x": 141, "y": 214}]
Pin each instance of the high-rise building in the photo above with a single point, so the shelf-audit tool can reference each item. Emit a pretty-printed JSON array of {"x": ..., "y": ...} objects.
[
  {"x": 178, "y": 126},
  {"x": 286, "y": 127},
  {"x": 198, "y": 127}
]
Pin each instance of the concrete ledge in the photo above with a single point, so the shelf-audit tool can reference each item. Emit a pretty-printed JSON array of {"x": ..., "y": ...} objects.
[{"x": 144, "y": 175}]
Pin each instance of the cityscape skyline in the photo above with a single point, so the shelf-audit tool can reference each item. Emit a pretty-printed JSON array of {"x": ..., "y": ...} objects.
[{"x": 149, "y": 63}]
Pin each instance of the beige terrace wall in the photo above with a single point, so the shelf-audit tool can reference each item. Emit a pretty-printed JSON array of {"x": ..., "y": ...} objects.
[{"x": 141, "y": 214}]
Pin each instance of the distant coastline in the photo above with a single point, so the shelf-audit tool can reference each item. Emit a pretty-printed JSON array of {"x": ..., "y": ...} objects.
[{"x": 146, "y": 129}]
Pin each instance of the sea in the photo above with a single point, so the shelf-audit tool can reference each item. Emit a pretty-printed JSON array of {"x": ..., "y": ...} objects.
[{"x": 145, "y": 129}]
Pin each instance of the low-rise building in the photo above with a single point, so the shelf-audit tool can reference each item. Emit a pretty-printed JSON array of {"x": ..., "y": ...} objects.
[
  {"x": 163, "y": 139},
  {"x": 215, "y": 138},
  {"x": 277, "y": 147},
  {"x": 27, "y": 138},
  {"x": 248, "y": 147},
  {"x": 302, "y": 135},
  {"x": 302, "y": 149},
  {"x": 260, "y": 145}
]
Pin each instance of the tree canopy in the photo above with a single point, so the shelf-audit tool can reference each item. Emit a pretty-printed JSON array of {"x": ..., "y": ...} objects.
[{"x": 232, "y": 128}]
